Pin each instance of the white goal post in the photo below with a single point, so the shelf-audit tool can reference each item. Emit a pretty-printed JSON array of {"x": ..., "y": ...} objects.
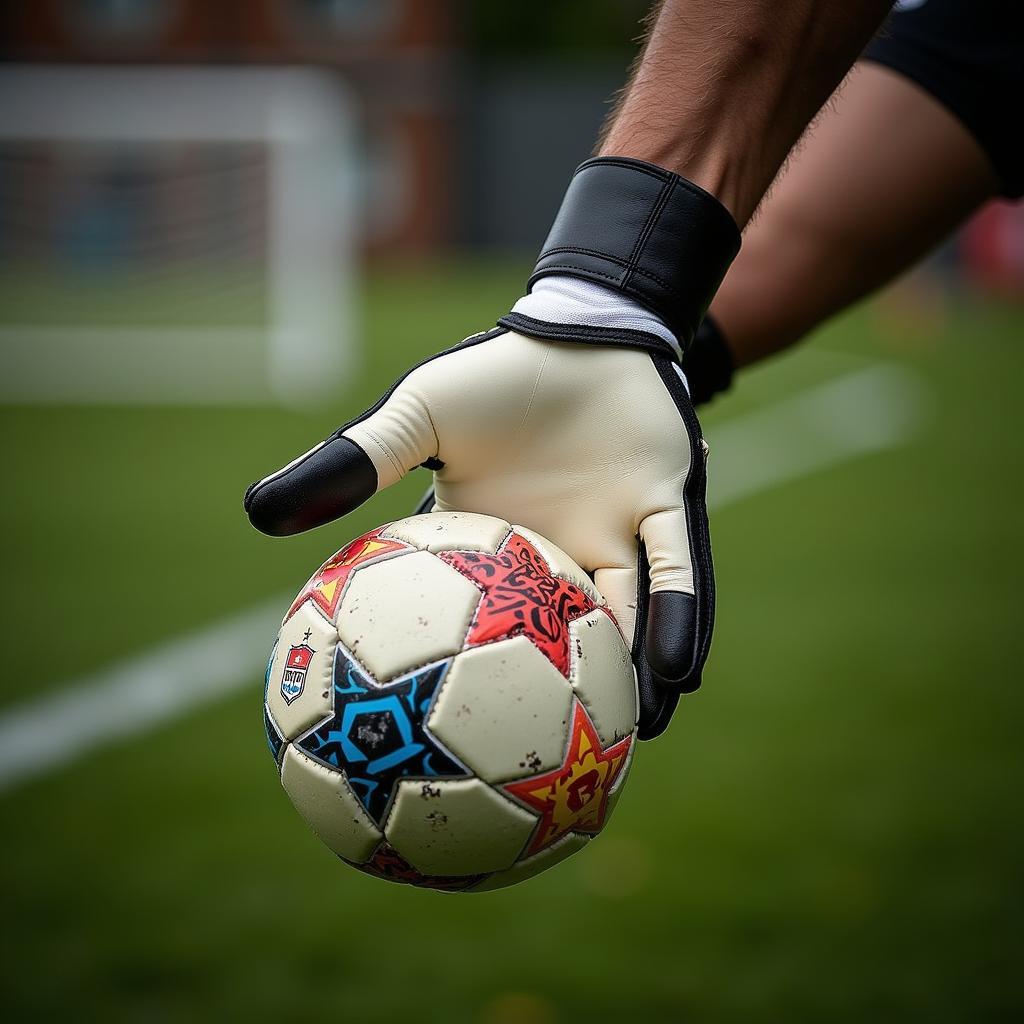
[{"x": 299, "y": 120}]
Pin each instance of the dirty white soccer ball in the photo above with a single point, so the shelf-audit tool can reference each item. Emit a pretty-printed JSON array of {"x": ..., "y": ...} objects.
[{"x": 450, "y": 703}]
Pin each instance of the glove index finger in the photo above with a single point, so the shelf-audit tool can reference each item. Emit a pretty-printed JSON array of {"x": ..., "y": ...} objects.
[
  {"x": 398, "y": 434},
  {"x": 326, "y": 482},
  {"x": 339, "y": 474}
]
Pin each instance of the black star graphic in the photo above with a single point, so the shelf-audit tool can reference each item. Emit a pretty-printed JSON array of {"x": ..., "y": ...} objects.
[
  {"x": 307, "y": 635},
  {"x": 377, "y": 735}
]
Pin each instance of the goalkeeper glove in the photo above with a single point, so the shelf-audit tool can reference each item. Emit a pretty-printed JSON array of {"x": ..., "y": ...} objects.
[{"x": 571, "y": 417}]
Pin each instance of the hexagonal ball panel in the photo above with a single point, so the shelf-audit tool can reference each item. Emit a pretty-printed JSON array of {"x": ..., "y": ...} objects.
[
  {"x": 530, "y": 866},
  {"x": 450, "y": 531},
  {"x": 404, "y": 613},
  {"x": 457, "y": 827},
  {"x": 561, "y": 564},
  {"x": 329, "y": 807},
  {"x": 602, "y": 675},
  {"x": 504, "y": 711},
  {"x": 304, "y": 698}
]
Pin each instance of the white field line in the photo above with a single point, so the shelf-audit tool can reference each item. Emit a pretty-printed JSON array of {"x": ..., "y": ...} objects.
[
  {"x": 880, "y": 406},
  {"x": 869, "y": 410},
  {"x": 135, "y": 695}
]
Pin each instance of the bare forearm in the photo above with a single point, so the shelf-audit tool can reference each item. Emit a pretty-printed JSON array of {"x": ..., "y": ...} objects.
[
  {"x": 887, "y": 173},
  {"x": 723, "y": 91}
]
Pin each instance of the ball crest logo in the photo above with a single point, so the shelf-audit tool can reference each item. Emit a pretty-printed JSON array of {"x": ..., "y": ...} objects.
[{"x": 296, "y": 666}]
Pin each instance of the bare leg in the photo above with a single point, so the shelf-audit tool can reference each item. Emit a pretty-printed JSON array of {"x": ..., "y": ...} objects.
[{"x": 885, "y": 174}]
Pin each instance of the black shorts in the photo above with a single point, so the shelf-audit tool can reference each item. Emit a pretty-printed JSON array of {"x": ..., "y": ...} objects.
[{"x": 969, "y": 54}]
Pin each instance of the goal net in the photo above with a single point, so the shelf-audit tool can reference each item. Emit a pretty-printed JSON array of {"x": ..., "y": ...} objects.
[{"x": 174, "y": 235}]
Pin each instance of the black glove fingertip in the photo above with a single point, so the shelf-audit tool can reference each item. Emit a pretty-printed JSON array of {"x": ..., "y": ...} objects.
[
  {"x": 327, "y": 482},
  {"x": 671, "y": 641},
  {"x": 657, "y": 703}
]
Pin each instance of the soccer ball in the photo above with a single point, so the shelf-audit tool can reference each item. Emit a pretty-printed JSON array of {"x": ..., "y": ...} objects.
[{"x": 450, "y": 703}]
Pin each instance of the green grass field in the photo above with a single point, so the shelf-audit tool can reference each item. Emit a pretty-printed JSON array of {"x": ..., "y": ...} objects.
[{"x": 830, "y": 831}]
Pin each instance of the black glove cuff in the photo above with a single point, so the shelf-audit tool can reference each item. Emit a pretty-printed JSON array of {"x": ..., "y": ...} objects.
[
  {"x": 647, "y": 232},
  {"x": 708, "y": 364}
]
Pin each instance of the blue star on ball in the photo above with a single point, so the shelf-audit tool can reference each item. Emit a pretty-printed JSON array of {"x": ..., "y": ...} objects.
[{"x": 377, "y": 734}]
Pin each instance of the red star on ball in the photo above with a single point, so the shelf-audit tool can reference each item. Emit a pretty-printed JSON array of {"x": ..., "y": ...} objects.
[
  {"x": 324, "y": 588},
  {"x": 574, "y": 797},
  {"x": 522, "y": 597}
]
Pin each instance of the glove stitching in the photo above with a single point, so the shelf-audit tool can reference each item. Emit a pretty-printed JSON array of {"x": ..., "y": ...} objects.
[
  {"x": 648, "y": 229},
  {"x": 579, "y": 250},
  {"x": 651, "y": 170},
  {"x": 392, "y": 457},
  {"x": 533, "y": 393}
]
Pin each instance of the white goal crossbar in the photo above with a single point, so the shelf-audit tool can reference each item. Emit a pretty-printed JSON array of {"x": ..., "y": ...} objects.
[{"x": 303, "y": 118}]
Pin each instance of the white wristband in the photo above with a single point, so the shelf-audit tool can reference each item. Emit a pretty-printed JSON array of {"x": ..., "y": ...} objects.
[{"x": 560, "y": 299}]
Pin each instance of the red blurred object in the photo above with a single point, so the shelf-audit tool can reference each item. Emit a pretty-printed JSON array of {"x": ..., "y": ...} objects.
[{"x": 992, "y": 250}]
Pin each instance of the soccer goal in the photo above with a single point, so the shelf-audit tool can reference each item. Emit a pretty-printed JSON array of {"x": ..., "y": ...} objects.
[{"x": 175, "y": 234}]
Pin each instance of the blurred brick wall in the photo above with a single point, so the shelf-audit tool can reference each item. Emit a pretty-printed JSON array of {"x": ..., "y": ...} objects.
[{"x": 397, "y": 56}]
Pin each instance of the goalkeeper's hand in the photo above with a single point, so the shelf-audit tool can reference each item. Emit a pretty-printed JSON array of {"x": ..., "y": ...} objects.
[{"x": 581, "y": 431}]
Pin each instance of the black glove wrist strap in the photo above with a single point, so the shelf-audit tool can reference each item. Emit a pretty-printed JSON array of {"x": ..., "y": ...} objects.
[
  {"x": 709, "y": 363},
  {"x": 529, "y": 325},
  {"x": 647, "y": 232}
]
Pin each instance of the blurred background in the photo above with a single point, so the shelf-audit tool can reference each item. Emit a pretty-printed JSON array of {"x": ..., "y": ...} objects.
[{"x": 226, "y": 227}]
